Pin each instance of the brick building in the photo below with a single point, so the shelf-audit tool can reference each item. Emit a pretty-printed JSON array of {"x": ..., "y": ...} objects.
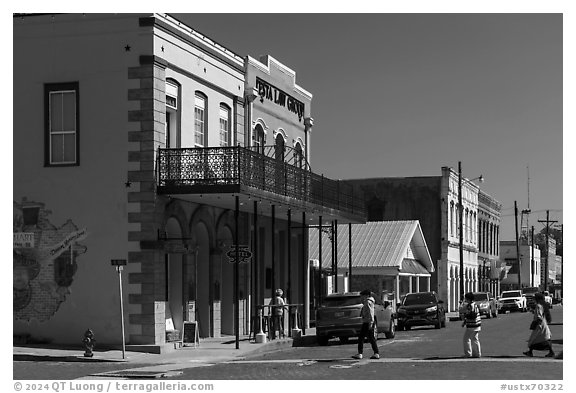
[{"x": 433, "y": 201}]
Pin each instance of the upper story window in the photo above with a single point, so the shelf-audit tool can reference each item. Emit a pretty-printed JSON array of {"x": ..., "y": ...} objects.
[
  {"x": 258, "y": 139},
  {"x": 62, "y": 124},
  {"x": 172, "y": 126},
  {"x": 452, "y": 217},
  {"x": 225, "y": 134},
  {"x": 298, "y": 156},
  {"x": 172, "y": 95},
  {"x": 200, "y": 120},
  {"x": 279, "y": 149}
]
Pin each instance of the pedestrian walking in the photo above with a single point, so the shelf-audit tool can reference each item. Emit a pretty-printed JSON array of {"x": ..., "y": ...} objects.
[
  {"x": 277, "y": 314},
  {"x": 540, "y": 337},
  {"x": 473, "y": 326},
  {"x": 368, "y": 326}
]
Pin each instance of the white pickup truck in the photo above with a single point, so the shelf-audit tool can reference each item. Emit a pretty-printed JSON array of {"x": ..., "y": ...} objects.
[
  {"x": 529, "y": 293},
  {"x": 512, "y": 301}
]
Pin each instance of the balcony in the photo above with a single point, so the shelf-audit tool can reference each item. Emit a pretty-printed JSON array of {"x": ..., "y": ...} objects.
[{"x": 210, "y": 175}]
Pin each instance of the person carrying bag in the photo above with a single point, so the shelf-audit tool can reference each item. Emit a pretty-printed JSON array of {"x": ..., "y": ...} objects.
[{"x": 540, "y": 337}]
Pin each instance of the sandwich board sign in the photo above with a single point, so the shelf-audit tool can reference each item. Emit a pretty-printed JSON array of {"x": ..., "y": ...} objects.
[{"x": 190, "y": 334}]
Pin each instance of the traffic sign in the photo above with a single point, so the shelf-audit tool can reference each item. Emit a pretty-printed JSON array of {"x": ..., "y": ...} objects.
[{"x": 118, "y": 262}]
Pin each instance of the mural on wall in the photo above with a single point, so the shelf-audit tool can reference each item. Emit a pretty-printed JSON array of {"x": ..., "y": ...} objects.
[{"x": 44, "y": 261}]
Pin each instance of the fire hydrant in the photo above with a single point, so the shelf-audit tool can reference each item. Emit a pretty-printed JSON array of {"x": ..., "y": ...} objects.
[{"x": 89, "y": 341}]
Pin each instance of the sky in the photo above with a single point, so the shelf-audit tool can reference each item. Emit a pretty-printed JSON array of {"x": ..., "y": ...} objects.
[{"x": 404, "y": 94}]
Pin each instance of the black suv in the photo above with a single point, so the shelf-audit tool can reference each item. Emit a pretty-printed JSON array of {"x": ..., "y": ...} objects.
[{"x": 421, "y": 309}]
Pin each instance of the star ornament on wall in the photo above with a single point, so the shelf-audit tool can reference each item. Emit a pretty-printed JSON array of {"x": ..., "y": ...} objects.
[
  {"x": 128, "y": 184},
  {"x": 127, "y": 48}
]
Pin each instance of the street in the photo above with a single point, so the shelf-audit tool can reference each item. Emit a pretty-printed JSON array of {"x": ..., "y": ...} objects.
[{"x": 419, "y": 354}]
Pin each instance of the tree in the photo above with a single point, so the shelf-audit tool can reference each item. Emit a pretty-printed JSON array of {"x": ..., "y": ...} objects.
[{"x": 554, "y": 233}]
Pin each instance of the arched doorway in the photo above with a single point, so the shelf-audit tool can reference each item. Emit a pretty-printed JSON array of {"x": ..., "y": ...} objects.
[
  {"x": 174, "y": 268},
  {"x": 201, "y": 265}
]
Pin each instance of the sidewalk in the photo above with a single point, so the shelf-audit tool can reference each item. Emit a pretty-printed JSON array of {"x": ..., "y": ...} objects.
[{"x": 208, "y": 350}]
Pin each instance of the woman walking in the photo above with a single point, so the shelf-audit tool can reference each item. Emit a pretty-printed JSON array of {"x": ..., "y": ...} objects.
[{"x": 540, "y": 337}]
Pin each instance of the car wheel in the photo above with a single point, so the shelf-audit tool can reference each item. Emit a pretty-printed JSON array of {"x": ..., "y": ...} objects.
[
  {"x": 344, "y": 340},
  {"x": 438, "y": 324},
  {"x": 322, "y": 340},
  {"x": 375, "y": 329},
  {"x": 391, "y": 333}
]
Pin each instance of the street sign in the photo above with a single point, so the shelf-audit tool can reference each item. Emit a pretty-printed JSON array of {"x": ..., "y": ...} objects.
[
  {"x": 244, "y": 254},
  {"x": 119, "y": 263}
]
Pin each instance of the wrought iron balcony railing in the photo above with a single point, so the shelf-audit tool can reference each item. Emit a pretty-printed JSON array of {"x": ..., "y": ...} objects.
[{"x": 185, "y": 169}]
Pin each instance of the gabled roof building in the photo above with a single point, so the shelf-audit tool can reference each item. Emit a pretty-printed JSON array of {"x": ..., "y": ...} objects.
[{"x": 383, "y": 256}]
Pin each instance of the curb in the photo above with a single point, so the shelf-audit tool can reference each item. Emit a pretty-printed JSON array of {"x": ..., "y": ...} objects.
[{"x": 30, "y": 357}]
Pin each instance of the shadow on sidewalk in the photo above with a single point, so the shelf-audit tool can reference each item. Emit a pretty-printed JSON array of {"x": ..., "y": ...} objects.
[{"x": 47, "y": 358}]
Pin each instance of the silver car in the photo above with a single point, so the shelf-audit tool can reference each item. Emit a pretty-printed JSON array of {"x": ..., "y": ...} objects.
[
  {"x": 486, "y": 304},
  {"x": 339, "y": 316}
]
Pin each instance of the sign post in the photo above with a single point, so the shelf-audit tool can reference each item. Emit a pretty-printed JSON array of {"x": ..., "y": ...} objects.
[
  {"x": 238, "y": 254},
  {"x": 120, "y": 263}
]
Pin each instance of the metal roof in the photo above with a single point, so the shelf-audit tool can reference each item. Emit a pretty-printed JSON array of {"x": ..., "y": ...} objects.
[{"x": 377, "y": 244}]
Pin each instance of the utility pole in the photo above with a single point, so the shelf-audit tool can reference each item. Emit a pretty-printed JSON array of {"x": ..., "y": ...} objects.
[
  {"x": 548, "y": 222},
  {"x": 518, "y": 247},
  {"x": 460, "y": 232},
  {"x": 532, "y": 256},
  {"x": 562, "y": 268}
]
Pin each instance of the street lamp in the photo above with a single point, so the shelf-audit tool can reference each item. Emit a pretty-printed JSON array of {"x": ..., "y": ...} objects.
[{"x": 461, "y": 226}]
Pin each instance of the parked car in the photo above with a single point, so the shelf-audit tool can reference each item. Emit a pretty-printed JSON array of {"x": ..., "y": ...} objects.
[
  {"x": 339, "y": 316},
  {"x": 512, "y": 301},
  {"x": 486, "y": 303},
  {"x": 421, "y": 309},
  {"x": 529, "y": 292}
]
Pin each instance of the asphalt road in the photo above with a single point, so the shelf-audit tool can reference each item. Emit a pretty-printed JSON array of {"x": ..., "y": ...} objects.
[{"x": 419, "y": 354}]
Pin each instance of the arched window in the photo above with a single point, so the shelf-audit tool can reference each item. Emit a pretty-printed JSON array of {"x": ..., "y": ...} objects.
[
  {"x": 279, "y": 149},
  {"x": 225, "y": 133},
  {"x": 451, "y": 218},
  {"x": 465, "y": 224},
  {"x": 298, "y": 156},
  {"x": 258, "y": 139},
  {"x": 200, "y": 120}
]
